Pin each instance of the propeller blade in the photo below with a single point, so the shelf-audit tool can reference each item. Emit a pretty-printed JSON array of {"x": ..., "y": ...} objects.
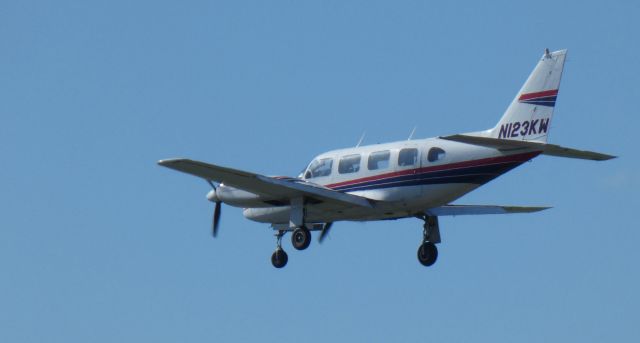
[
  {"x": 211, "y": 184},
  {"x": 216, "y": 218},
  {"x": 324, "y": 232}
]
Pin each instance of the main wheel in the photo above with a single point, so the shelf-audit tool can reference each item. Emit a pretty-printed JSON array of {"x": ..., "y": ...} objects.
[
  {"x": 279, "y": 258},
  {"x": 301, "y": 238},
  {"x": 427, "y": 254}
]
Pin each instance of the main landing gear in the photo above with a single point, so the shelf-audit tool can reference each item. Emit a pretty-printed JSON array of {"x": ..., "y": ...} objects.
[
  {"x": 428, "y": 252},
  {"x": 301, "y": 238}
]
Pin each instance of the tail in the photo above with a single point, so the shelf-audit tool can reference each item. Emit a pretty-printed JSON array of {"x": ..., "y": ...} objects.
[
  {"x": 528, "y": 118},
  {"x": 525, "y": 124}
]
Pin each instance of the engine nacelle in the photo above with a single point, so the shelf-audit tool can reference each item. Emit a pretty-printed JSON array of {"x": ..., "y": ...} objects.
[{"x": 235, "y": 197}]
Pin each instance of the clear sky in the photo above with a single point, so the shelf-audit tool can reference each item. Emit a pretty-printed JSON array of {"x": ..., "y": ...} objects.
[{"x": 99, "y": 244}]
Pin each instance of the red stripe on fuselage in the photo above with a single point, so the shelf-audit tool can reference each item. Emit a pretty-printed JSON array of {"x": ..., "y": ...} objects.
[
  {"x": 535, "y": 95},
  {"x": 472, "y": 163}
]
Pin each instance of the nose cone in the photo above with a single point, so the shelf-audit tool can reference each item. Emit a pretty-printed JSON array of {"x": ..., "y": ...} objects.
[{"x": 212, "y": 196}]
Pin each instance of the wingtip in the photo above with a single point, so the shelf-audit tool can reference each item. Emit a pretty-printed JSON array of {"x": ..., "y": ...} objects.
[
  {"x": 603, "y": 157},
  {"x": 168, "y": 161},
  {"x": 531, "y": 209}
]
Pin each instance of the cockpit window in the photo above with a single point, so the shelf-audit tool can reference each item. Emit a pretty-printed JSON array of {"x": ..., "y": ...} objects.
[
  {"x": 378, "y": 160},
  {"x": 301, "y": 173},
  {"x": 435, "y": 154},
  {"x": 408, "y": 157},
  {"x": 349, "y": 164},
  {"x": 319, "y": 168}
]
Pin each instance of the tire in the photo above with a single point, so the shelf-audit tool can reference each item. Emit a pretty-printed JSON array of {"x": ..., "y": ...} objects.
[
  {"x": 279, "y": 258},
  {"x": 427, "y": 254},
  {"x": 301, "y": 238}
]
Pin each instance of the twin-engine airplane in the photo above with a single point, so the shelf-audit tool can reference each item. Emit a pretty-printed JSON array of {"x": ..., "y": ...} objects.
[{"x": 414, "y": 178}]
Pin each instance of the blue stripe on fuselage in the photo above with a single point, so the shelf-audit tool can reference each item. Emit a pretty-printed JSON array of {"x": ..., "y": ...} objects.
[{"x": 474, "y": 175}]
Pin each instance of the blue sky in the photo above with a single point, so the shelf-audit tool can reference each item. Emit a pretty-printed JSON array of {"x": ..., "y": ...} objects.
[{"x": 98, "y": 243}]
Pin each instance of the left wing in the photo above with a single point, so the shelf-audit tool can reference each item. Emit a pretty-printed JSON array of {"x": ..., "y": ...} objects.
[
  {"x": 461, "y": 210},
  {"x": 282, "y": 189}
]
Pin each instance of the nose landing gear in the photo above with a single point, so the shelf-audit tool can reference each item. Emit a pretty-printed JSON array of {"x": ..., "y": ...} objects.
[{"x": 279, "y": 257}]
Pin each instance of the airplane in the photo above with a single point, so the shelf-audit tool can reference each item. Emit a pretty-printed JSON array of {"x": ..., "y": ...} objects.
[{"x": 418, "y": 178}]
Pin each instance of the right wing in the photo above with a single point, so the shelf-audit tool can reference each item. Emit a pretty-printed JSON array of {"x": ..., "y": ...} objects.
[
  {"x": 271, "y": 187},
  {"x": 461, "y": 210}
]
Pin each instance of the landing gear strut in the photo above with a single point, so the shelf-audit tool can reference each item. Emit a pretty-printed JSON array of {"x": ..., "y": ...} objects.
[
  {"x": 300, "y": 237},
  {"x": 428, "y": 252},
  {"x": 279, "y": 258}
]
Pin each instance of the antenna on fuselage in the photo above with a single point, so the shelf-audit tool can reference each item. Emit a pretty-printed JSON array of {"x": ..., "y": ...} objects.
[
  {"x": 412, "y": 132},
  {"x": 361, "y": 139}
]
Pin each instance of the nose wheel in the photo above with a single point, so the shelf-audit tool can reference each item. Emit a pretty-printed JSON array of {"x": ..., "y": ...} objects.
[{"x": 279, "y": 257}]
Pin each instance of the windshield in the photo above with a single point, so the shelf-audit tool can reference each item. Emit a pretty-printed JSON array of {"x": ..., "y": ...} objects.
[{"x": 317, "y": 168}]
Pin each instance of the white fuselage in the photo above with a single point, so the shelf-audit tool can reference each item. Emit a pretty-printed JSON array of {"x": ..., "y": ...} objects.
[{"x": 405, "y": 177}]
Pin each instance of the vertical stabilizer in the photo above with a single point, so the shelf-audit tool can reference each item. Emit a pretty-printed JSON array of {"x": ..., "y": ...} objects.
[{"x": 528, "y": 118}]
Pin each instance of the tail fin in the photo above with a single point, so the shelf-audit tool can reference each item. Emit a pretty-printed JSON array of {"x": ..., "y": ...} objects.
[{"x": 529, "y": 116}]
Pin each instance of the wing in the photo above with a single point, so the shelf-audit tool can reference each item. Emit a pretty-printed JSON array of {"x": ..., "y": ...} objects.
[
  {"x": 461, "y": 210},
  {"x": 285, "y": 189},
  {"x": 546, "y": 149}
]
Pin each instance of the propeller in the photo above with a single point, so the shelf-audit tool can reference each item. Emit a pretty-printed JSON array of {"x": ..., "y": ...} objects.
[
  {"x": 217, "y": 209},
  {"x": 325, "y": 230}
]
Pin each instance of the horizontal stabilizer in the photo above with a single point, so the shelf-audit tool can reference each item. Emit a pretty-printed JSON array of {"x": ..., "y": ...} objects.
[
  {"x": 461, "y": 210},
  {"x": 560, "y": 151},
  {"x": 546, "y": 149}
]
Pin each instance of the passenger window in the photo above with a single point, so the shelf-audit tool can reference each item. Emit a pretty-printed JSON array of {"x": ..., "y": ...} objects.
[
  {"x": 319, "y": 168},
  {"x": 349, "y": 164},
  {"x": 378, "y": 160},
  {"x": 408, "y": 157},
  {"x": 435, "y": 154}
]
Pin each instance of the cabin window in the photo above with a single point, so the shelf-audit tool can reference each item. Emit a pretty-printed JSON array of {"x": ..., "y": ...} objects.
[
  {"x": 435, "y": 154},
  {"x": 408, "y": 157},
  {"x": 379, "y": 160},
  {"x": 319, "y": 168},
  {"x": 349, "y": 164}
]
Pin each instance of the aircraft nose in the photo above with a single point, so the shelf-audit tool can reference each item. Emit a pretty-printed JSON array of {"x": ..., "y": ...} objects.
[{"x": 212, "y": 196}]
